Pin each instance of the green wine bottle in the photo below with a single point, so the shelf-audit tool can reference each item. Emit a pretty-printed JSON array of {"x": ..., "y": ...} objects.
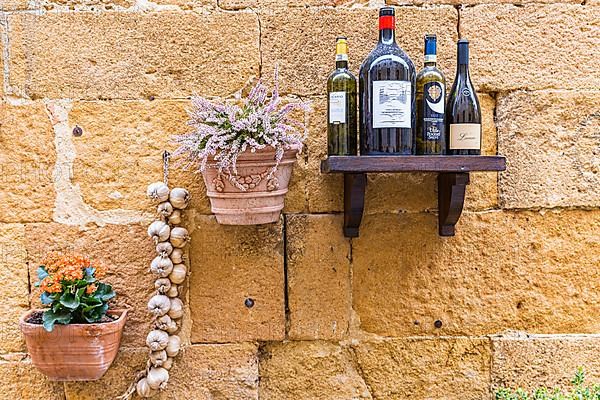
[
  {"x": 431, "y": 99},
  {"x": 341, "y": 105},
  {"x": 463, "y": 113}
]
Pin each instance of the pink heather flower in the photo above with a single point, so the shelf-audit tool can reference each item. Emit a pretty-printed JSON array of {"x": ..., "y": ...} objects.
[{"x": 224, "y": 130}]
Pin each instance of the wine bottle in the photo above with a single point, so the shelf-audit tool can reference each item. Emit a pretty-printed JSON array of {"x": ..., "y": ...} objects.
[
  {"x": 341, "y": 105},
  {"x": 387, "y": 94},
  {"x": 463, "y": 114},
  {"x": 431, "y": 100}
]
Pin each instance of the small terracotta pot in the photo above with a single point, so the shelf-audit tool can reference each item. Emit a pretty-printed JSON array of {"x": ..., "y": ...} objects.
[
  {"x": 75, "y": 352},
  {"x": 263, "y": 199}
]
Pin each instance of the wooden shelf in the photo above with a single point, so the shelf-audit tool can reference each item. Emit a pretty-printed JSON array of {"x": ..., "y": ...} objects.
[{"x": 452, "y": 181}]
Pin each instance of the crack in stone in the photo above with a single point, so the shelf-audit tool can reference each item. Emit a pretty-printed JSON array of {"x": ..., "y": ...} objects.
[
  {"x": 260, "y": 49},
  {"x": 359, "y": 370}
]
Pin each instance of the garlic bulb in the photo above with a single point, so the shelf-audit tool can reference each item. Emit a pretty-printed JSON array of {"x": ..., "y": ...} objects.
[
  {"x": 158, "y": 191},
  {"x": 179, "y": 198},
  {"x": 173, "y": 292},
  {"x": 159, "y": 231},
  {"x": 161, "y": 266},
  {"x": 173, "y": 346},
  {"x": 178, "y": 274},
  {"x": 175, "y": 217},
  {"x": 164, "y": 249},
  {"x": 159, "y": 305},
  {"x": 157, "y": 340},
  {"x": 172, "y": 328},
  {"x": 157, "y": 358},
  {"x": 179, "y": 237},
  {"x": 177, "y": 256},
  {"x": 176, "y": 310},
  {"x": 143, "y": 389},
  {"x": 164, "y": 209},
  {"x": 165, "y": 323},
  {"x": 168, "y": 364},
  {"x": 162, "y": 285},
  {"x": 157, "y": 378}
]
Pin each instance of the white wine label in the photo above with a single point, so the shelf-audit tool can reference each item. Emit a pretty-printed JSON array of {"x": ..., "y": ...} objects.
[
  {"x": 392, "y": 102},
  {"x": 465, "y": 136},
  {"x": 337, "y": 107}
]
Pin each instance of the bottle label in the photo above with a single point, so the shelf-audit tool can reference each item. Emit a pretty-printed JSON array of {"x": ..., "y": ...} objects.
[
  {"x": 433, "y": 110},
  {"x": 337, "y": 107},
  {"x": 465, "y": 136},
  {"x": 392, "y": 102}
]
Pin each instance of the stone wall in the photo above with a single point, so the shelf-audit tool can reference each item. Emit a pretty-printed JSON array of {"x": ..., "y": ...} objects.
[{"x": 515, "y": 292}]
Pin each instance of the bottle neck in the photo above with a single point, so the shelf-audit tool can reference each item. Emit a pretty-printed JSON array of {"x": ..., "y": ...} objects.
[
  {"x": 387, "y": 29},
  {"x": 430, "y": 60},
  {"x": 341, "y": 64},
  {"x": 462, "y": 59}
]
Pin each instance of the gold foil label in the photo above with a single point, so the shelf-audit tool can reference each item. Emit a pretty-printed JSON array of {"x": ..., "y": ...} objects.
[{"x": 465, "y": 136}]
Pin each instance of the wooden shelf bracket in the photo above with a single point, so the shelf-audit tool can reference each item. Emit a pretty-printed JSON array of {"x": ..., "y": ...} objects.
[{"x": 453, "y": 178}]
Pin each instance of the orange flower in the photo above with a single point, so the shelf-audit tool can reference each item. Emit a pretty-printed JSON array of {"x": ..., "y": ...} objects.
[
  {"x": 68, "y": 267},
  {"x": 91, "y": 289},
  {"x": 50, "y": 285},
  {"x": 100, "y": 269}
]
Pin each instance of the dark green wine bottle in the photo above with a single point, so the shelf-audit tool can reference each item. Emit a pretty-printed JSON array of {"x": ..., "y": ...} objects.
[
  {"x": 463, "y": 113},
  {"x": 431, "y": 100},
  {"x": 341, "y": 105}
]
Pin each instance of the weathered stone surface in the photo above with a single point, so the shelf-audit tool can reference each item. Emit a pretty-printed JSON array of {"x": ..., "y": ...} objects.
[
  {"x": 231, "y": 265},
  {"x": 126, "y": 250},
  {"x": 550, "y": 139},
  {"x": 15, "y": 278},
  {"x": 201, "y": 372},
  {"x": 126, "y": 55},
  {"x": 27, "y": 159},
  {"x": 12, "y": 5},
  {"x": 120, "y": 152},
  {"x": 291, "y": 37},
  {"x": 270, "y": 4},
  {"x": 309, "y": 370},
  {"x": 83, "y": 5},
  {"x": 325, "y": 191},
  {"x": 503, "y": 270},
  {"x": 531, "y": 362},
  {"x": 535, "y": 38},
  {"x": 20, "y": 380},
  {"x": 450, "y": 369},
  {"x": 220, "y": 371},
  {"x": 318, "y": 277}
]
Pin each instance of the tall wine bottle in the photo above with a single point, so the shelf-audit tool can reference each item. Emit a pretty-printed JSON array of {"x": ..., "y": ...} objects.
[
  {"x": 431, "y": 100},
  {"x": 463, "y": 113},
  {"x": 341, "y": 105},
  {"x": 387, "y": 94}
]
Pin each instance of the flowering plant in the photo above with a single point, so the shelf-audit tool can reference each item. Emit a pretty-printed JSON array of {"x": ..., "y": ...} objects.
[
  {"x": 70, "y": 287},
  {"x": 579, "y": 391},
  {"x": 224, "y": 130}
]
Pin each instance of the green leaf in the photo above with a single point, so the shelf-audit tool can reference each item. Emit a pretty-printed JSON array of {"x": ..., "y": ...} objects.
[
  {"x": 95, "y": 313},
  {"x": 70, "y": 300},
  {"x": 89, "y": 275},
  {"x": 50, "y": 318},
  {"x": 41, "y": 273},
  {"x": 104, "y": 292},
  {"x": 47, "y": 298}
]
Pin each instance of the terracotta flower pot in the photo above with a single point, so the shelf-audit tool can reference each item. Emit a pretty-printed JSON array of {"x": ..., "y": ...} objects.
[
  {"x": 263, "y": 199},
  {"x": 75, "y": 352}
]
